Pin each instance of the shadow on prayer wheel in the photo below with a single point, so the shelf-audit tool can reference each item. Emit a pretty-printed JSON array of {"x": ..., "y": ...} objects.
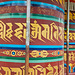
[{"x": 46, "y": 39}]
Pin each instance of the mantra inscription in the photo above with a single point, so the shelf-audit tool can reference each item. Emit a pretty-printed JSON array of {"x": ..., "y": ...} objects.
[
  {"x": 50, "y": 32},
  {"x": 59, "y": 1},
  {"x": 71, "y": 57},
  {"x": 38, "y": 69},
  {"x": 71, "y": 36},
  {"x": 72, "y": 16}
]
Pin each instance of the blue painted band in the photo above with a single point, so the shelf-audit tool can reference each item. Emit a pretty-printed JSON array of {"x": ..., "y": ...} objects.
[
  {"x": 70, "y": 23},
  {"x": 32, "y": 47},
  {"x": 33, "y": 3},
  {"x": 46, "y": 48},
  {"x": 70, "y": 43}
]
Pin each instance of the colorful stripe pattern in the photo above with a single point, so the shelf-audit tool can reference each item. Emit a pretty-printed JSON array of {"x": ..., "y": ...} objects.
[
  {"x": 71, "y": 29},
  {"x": 46, "y": 42},
  {"x": 46, "y": 49},
  {"x": 31, "y": 60},
  {"x": 33, "y": 3},
  {"x": 32, "y": 47},
  {"x": 71, "y": 43},
  {"x": 33, "y": 16},
  {"x": 72, "y": 23}
]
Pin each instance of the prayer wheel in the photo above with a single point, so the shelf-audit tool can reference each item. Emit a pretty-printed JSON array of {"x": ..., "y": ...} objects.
[
  {"x": 46, "y": 37},
  {"x": 71, "y": 38}
]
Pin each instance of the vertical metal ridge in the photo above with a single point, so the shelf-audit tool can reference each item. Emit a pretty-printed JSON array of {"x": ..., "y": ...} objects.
[
  {"x": 68, "y": 9},
  {"x": 27, "y": 37}
]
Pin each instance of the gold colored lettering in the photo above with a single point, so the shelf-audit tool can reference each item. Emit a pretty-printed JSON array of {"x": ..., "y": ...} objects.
[
  {"x": 40, "y": 69},
  {"x": 9, "y": 31},
  {"x": 65, "y": 15},
  {"x": 74, "y": 16},
  {"x": 70, "y": 36},
  {"x": 45, "y": 32},
  {"x": 57, "y": 1},
  {"x": 62, "y": 70},
  {"x": 0, "y": 72},
  {"x": 2, "y": 31},
  {"x": 35, "y": 70},
  {"x": 65, "y": 37},
  {"x": 23, "y": 68},
  {"x": 63, "y": 2},
  {"x": 31, "y": 71},
  {"x": 49, "y": 32},
  {"x": 18, "y": 71},
  {"x": 60, "y": 2},
  {"x": 70, "y": 57},
  {"x": 52, "y": 24},
  {"x": 73, "y": 56},
  {"x": 73, "y": 35},
  {"x": 52, "y": 0},
  {"x": 24, "y": 32},
  {"x": 56, "y": 67},
  {"x": 50, "y": 68},
  {"x": 56, "y": 32},
  {"x": 36, "y": 30},
  {"x": 7, "y": 70},
  {"x": 65, "y": 56},
  {"x": 18, "y": 31},
  {"x": 71, "y": 16}
]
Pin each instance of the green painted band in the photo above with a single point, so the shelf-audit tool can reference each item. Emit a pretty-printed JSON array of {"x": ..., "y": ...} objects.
[
  {"x": 45, "y": 61},
  {"x": 46, "y": 58},
  {"x": 31, "y": 61},
  {"x": 70, "y": 49},
  {"x": 72, "y": 29},
  {"x": 22, "y": 58},
  {"x": 33, "y": 16}
]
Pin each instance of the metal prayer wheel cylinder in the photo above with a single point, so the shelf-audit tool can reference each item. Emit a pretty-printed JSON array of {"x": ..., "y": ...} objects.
[
  {"x": 46, "y": 37},
  {"x": 71, "y": 37}
]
